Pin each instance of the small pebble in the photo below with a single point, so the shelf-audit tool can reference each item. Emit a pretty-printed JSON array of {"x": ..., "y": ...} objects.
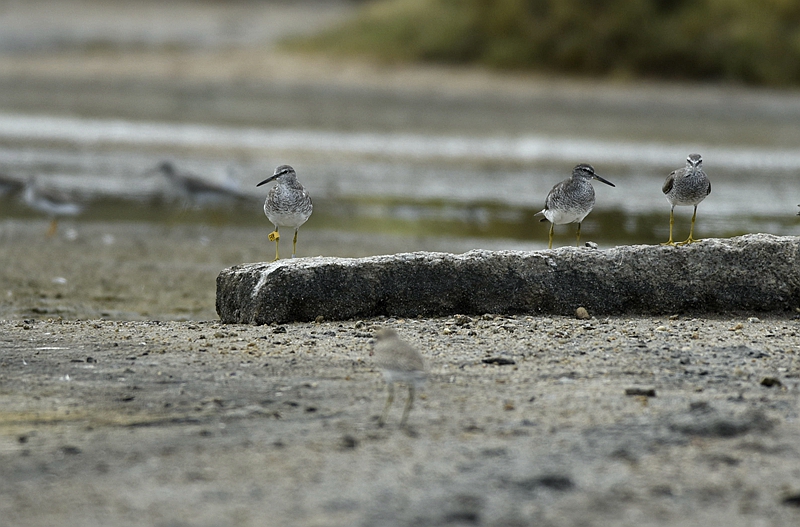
[
  {"x": 498, "y": 361},
  {"x": 348, "y": 442},
  {"x": 792, "y": 500},
  {"x": 647, "y": 392},
  {"x": 582, "y": 314}
]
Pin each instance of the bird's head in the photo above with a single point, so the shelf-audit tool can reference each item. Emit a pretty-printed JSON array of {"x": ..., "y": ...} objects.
[
  {"x": 165, "y": 168},
  {"x": 694, "y": 161},
  {"x": 384, "y": 334},
  {"x": 281, "y": 173},
  {"x": 585, "y": 171}
]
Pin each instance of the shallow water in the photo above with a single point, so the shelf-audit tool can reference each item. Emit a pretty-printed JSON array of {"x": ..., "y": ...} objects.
[{"x": 412, "y": 184}]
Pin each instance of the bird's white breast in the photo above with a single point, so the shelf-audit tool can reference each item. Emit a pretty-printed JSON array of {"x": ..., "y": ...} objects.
[{"x": 560, "y": 216}]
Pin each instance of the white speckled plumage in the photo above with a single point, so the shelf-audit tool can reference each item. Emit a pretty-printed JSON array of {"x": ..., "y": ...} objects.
[
  {"x": 686, "y": 186},
  {"x": 571, "y": 200},
  {"x": 287, "y": 204}
]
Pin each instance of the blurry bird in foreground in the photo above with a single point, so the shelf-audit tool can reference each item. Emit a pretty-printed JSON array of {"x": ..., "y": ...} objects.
[
  {"x": 400, "y": 362},
  {"x": 287, "y": 204},
  {"x": 50, "y": 202},
  {"x": 571, "y": 200},
  {"x": 196, "y": 190},
  {"x": 686, "y": 186}
]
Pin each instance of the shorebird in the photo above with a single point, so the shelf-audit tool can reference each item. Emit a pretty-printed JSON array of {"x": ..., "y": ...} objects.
[
  {"x": 53, "y": 204},
  {"x": 399, "y": 362},
  {"x": 686, "y": 186},
  {"x": 287, "y": 204},
  {"x": 10, "y": 186},
  {"x": 571, "y": 200},
  {"x": 196, "y": 190}
]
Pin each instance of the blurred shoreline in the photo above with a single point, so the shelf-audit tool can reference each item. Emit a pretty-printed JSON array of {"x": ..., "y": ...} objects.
[
  {"x": 707, "y": 113},
  {"x": 91, "y": 107}
]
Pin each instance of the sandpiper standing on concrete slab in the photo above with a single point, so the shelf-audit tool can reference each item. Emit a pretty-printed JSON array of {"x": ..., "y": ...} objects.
[
  {"x": 400, "y": 362},
  {"x": 686, "y": 187},
  {"x": 287, "y": 205},
  {"x": 571, "y": 200}
]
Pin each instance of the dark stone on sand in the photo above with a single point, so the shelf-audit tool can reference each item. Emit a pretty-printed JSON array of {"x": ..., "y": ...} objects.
[
  {"x": 752, "y": 273},
  {"x": 550, "y": 481},
  {"x": 769, "y": 382},
  {"x": 792, "y": 500},
  {"x": 70, "y": 450},
  {"x": 499, "y": 361},
  {"x": 348, "y": 442},
  {"x": 645, "y": 392}
]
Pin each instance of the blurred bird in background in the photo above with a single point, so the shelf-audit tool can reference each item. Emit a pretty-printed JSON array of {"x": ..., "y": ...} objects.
[
  {"x": 51, "y": 203},
  {"x": 196, "y": 191}
]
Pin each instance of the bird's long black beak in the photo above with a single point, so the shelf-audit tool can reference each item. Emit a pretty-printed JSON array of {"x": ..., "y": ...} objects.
[
  {"x": 607, "y": 182},
  {"x": 271, "y": 178}
]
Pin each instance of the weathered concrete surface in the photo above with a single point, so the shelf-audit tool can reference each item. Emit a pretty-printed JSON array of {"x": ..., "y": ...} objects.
[{"x": 757, "y": 272}]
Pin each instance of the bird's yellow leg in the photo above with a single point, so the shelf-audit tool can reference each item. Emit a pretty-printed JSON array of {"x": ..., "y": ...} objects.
[
  {"x": 294, "y": 243},
  {"x": 578, "y": 241},
  {"x": 274, "y": 236},
  {"x": 671, "y": 223},
  {"x": 409, "y": 404},
  {"x": 389, "y": 399},
  {"x": 550, "y": 243},
  {"x": 53, "y": 228},
  {"x": 690, "y": 239}
]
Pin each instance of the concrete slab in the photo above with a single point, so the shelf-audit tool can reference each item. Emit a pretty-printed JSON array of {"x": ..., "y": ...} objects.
[{"x": 757, "y": 272}]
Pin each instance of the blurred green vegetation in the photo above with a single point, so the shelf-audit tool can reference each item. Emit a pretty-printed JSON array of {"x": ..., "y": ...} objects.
[{"x": 748, "y": 41}]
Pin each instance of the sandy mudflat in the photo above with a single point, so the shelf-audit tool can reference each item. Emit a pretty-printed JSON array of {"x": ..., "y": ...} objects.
[
  {"x": 124, "y": 402},
  {"x": 117, "y": 412}
]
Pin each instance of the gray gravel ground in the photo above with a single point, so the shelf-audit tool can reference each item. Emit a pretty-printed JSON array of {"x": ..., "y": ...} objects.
[{"x": 199, "y": 423}]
